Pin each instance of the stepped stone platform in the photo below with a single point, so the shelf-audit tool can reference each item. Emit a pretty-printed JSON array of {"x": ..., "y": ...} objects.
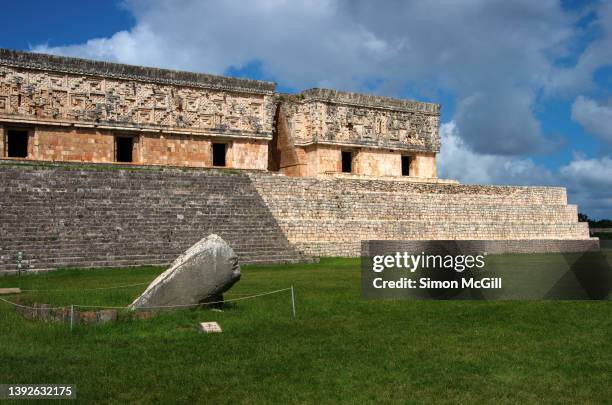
[
  {"x": 330, "y": 216},
  {"x": 95, "y": 215},
  {"x": 62, "y": 215}
]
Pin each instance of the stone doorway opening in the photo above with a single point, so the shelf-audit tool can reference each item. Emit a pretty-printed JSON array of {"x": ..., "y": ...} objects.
[
  {"x": 17, "y": 143},
  {"x": 219, "y": 152},
  {"x": 347, "y": 162},
  {"x": 124, "y": 146}
]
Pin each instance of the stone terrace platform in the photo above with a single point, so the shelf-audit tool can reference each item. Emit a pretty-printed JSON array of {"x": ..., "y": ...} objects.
[
  {"x": 330, "y": 216},
  {"x": 88, "y": 215}
]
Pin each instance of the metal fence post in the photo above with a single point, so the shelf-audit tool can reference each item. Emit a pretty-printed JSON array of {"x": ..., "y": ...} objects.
[
  {"x": 19, "y": 260},
  {"x": 293, "y": 301}
]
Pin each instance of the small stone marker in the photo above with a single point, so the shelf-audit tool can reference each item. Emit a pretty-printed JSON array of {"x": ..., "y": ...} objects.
[
  {"x": 6, "y": 291},
  {"x": 210, "y": 327}
]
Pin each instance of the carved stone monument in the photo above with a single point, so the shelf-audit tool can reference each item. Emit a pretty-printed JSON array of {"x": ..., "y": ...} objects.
[{"x": 199, "y": 276}]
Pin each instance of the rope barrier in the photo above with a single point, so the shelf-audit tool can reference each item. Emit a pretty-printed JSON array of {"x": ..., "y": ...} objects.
[
  {"x": 25, "y": 306},
  {"x": 190, "y": 305},
  {"x": 89, "y": 289},
  {"x": 151, "y": 307}
]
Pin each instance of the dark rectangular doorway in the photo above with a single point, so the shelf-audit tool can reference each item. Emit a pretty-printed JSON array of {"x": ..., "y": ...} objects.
[
  {"x": 124, "y": 147},
  {"x": 219, "y": 150},
  {"x": 17, "y": 143},
  {"x": 406, "y": 165},
  {"x": 347, "y": 162}
]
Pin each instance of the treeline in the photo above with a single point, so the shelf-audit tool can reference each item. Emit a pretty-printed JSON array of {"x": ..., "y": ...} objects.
[{"x": 602, "y": 223}]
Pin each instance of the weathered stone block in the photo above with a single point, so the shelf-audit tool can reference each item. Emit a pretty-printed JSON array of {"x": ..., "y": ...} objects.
[
  {"x": 87, "y": 317},
  {"x": 107, "y": 315},
  {"x": 200, "y": 275},
  {"x": 7, "y": 291}
]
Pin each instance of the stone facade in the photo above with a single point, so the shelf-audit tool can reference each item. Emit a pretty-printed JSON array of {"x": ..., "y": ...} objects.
[
  {"x": 46, "y": 89},
  {"x": 329, "y": 217},
  {"x": 69, "y": 214},
  {"x": 61, "y": 215},
  {"x": 74, "y": 110},
  {"x": 314, "y": 127},
  {"x": 323, "y": 170}
]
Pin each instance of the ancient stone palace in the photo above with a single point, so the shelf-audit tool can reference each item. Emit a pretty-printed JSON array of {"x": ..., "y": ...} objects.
[
  {"x": 106, "y": 164},
  {"x": 63, "y": 109}
]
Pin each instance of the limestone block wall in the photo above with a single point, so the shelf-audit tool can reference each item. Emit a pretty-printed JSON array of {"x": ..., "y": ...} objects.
[
  {"x": 248, "y": 154},
  {"x": 329, "y": 217},
  {"x": 317, "y": 160},
  {"x": 322, "y": 159},
  {"x": 388, "y": 163},
  {"x": 64, "y": 215},
  {"x": 314, "y": 127},
  {"x": 174, "y": 150},
  {"x": 73, "y": 108},
  {"x": 87, "y": 216},
  {"x": 71, "y": 145},
  {"x": 196, "y": 151},
  {"x": 342, "y": 118},
  {"x": 423, "y": 165},
  {"x": 377, "y": 162}
]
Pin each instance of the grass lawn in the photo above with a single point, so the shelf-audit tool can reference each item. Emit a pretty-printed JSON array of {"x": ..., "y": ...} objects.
[{"x": 339, "y": 349}]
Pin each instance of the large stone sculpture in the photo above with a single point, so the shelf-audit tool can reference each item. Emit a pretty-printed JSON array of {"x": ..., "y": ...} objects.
[{"x": 200, "y": 275}]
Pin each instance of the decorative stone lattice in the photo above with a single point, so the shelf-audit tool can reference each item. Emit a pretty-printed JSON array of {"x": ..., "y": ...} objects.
[
  {"x": 57, "y": 89},
  {"x": 332, "y": 117}
]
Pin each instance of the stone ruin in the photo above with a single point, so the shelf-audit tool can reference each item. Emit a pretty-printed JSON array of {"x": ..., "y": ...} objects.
[
  {"x": 102, "y": 165},
  {"x": 65, "y": 109},
  {"x": 199, "y": 276}
]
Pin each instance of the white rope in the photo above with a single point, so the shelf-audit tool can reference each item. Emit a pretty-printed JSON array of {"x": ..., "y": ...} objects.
[
  {"x": 35, "y": 308},
  {"x": 91, "y": 289},
  {"x": 152, "y": 307},
  {"x": 239, "y": 294},
  {"x": 189, "y": 305}
]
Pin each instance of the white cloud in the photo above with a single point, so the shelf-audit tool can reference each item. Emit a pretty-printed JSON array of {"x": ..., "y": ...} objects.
[
  {"x": 594, "y": 118},
  {"x": 578, "y": 78},
  {"x": 588, "y": 181},
  {"x": 458, "y": 161},
  {"x": 495, "y": 51},
  {"x": 593, "y": 173},
  {"x": 503, "y": 126},
  {"x": 496, "y": 57}
]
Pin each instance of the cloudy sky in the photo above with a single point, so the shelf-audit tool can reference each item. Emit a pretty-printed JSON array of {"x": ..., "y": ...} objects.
[{"x": 525, "y": 86}]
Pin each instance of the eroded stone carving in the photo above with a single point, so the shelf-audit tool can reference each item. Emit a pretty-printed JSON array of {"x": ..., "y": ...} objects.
[
  {"x": 152, "y": 104},
  {"x": 328, "y": 116},
  {"x": 200, "y": 275},
  {"x": 219, "y": 104}
]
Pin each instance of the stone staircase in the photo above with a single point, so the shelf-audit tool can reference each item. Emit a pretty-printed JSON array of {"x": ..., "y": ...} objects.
[
  {"x": 67, "y": 215},
  {"x": 73, "y": 215},
  {"x": 329, "y": 217}
]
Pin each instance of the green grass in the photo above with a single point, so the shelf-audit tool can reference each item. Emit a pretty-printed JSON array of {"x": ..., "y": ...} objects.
[{"x": 339, "y": 349}]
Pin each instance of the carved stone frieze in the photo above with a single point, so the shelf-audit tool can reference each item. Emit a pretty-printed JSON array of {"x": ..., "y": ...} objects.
[
  {"x": 332, "y": 117},
  {"x": 42, "y": 87}
]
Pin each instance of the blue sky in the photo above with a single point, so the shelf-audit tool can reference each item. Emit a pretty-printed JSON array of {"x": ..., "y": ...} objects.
[{"x": 525, "y": 87}]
